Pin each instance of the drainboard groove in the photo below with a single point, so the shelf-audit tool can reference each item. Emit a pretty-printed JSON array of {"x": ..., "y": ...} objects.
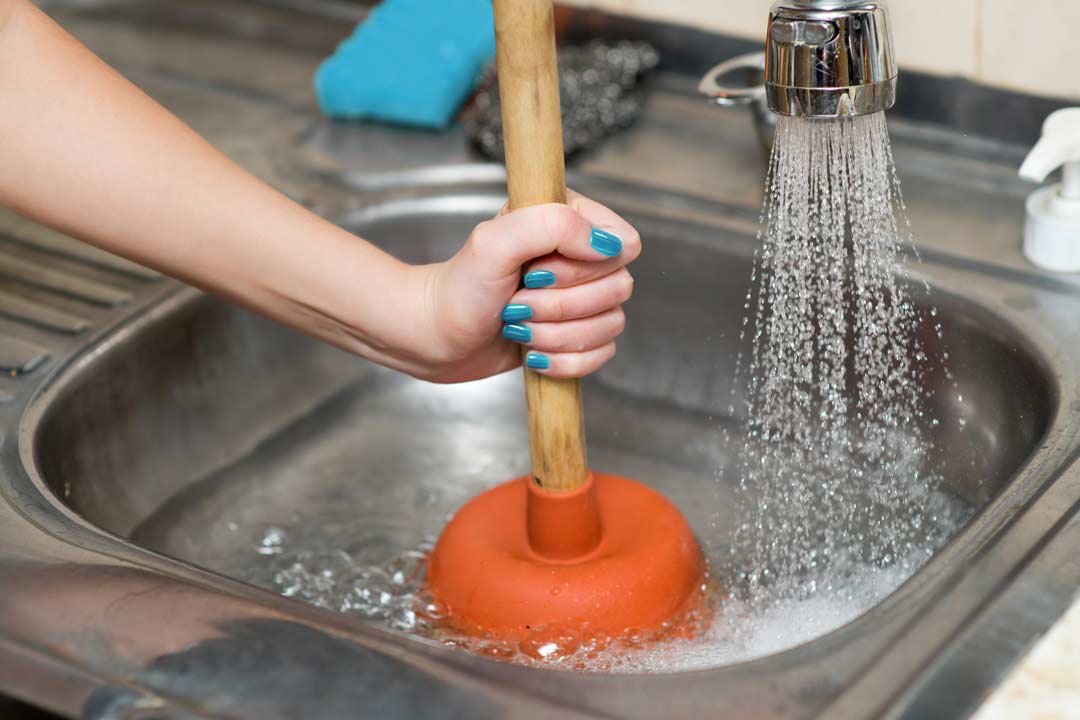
[
  {"x": 61, "y": 282},
  {"x": 39, "y": 237},
  {"x": 18, "y": 357},
  {"x": 27, "y": 311}
]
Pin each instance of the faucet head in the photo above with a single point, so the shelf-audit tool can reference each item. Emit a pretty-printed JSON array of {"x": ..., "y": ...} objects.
[{"x": 829, "y": 58}]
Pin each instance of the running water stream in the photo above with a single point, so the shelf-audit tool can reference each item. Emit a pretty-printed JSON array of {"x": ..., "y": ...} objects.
[
  {"x": 836, "y": 441},
  {"x": 837, "y": 437}
]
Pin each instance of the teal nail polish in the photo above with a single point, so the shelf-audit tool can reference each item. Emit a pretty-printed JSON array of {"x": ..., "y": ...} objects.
[
  {"x": 536, "y": 361},
  {"x": 515, "y": 312},
  {"x": 605, "y": 243},
  {"x": 517, "y": 333},
  {"x": 539, "y": 279}
]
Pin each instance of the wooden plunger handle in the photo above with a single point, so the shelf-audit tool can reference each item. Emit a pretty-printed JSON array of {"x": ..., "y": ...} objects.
[{"x": 536, "y": 174}]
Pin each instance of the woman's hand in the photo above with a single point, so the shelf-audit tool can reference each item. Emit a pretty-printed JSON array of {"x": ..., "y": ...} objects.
[
  {"x": 148, "y": 188},
  {"x": 569, "y": 313}
]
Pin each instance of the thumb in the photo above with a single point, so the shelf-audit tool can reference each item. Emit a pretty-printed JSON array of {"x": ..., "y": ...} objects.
[{"x": 506, "y": 243}]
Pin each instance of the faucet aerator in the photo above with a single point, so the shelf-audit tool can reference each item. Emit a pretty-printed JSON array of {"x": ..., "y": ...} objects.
[{"x": 829, "y": 58}]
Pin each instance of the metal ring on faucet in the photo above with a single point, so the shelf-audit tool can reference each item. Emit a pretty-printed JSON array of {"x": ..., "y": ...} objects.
[{"x": 726, "y": 95}]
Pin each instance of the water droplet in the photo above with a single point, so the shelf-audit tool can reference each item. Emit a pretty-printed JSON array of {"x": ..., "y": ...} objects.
[{"x": 272, "y": 542}]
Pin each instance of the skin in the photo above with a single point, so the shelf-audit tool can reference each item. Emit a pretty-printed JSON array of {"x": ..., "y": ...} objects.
[{"x": 86, "y": 152}]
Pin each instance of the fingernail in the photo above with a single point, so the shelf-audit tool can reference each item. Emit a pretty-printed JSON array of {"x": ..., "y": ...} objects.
[
  {"x": 537, "y": 361},
  {"x": 517, "y": 333},
  {"x": 514, "y": 312},
  {"x": 539, "y": 279},
  {"x": 605, "y": 243}
]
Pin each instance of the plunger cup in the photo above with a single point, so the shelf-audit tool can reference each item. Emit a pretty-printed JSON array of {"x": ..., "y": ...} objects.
[
  {"x": 563, "y": 548},
  {"x": 611, "y": 556}
]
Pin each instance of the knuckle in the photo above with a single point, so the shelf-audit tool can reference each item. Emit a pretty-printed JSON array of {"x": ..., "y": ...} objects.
[
  {"x": 576, "y": 274},
  {"x": 624, "y": 288},
  {"x": 560, "y": 222},
  {"x": 558, "y": 308},
  {"x": 483, "y": 238},
  {"x": 576, "y": 200},
  {"x": 619, "y": 321},
  {"x": 632, "y": 243}
]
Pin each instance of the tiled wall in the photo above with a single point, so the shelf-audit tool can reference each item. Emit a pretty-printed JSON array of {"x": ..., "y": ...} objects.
[{"x": 1027, "y": 45}]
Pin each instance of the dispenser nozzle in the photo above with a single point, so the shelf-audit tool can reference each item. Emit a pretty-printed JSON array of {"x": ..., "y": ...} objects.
[{"x": 1059, "y": 146}]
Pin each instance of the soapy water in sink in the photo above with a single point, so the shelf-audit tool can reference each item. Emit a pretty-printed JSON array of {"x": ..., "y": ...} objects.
[{"x": 735, "y": 625}]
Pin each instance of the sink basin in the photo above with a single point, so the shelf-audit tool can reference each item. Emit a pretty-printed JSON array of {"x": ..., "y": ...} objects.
[
  {"x": 340, "y": 454},
  {"x": 155, "y": 457}
]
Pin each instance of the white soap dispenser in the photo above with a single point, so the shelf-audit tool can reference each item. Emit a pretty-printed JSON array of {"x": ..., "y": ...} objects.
[{"x": 1052, "y": 228}]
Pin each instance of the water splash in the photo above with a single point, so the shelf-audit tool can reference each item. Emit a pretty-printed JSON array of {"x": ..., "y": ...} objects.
[{"x": 728, "y": 628}]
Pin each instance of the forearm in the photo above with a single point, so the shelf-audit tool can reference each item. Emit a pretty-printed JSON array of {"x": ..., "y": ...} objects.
[{"x": 86, "y": 152}]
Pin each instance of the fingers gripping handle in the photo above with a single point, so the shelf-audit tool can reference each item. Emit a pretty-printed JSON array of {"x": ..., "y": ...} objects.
[{"x": 536, "y": 174}]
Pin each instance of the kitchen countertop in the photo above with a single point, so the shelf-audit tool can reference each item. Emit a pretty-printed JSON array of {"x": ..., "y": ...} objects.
[{"x": 1046, "y": 683}]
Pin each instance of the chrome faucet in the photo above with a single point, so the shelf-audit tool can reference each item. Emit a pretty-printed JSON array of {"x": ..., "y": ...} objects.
[
  {"x": 829, "y": 58},
  {"x": 823, "y": 59}
]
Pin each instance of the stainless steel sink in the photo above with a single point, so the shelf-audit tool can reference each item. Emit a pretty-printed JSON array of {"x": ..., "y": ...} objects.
[
  {"x": 191, "y": 417},
  {"x": 146, "y": 428}
]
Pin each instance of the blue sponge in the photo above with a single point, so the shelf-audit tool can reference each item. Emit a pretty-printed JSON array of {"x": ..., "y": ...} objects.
[{"x": 412, "y": 62}]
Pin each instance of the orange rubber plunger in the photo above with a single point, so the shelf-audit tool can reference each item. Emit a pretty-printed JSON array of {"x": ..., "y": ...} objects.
[
  {"x": 565, "y": 548},
  {"x": 612, "y": 555}
]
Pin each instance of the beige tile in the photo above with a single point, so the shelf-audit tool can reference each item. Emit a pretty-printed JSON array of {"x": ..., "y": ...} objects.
[
  {"x": 1047, "y": 683},
  {"x": 619, "y": 6},
  {"x": 936, "y": 36},
  {"x": 931, "y": 35},
  {"x": 1031, "y": 46},
  {"x": 737, "y": 17}
]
